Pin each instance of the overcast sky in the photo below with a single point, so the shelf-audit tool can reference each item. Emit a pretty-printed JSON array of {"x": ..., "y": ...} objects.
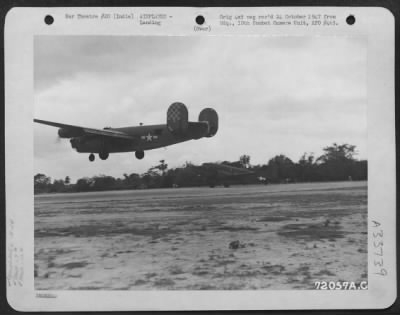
[{"x": 274, "y": 95}]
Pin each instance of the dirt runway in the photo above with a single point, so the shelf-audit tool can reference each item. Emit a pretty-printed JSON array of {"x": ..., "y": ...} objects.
[{"x": 238, "y": 238}]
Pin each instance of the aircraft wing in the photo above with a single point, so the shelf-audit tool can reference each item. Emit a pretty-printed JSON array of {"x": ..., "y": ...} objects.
[{"x": 81, "y": 131}]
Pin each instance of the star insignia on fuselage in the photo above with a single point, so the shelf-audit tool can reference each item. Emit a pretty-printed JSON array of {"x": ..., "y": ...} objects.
[{"x": 149, "y": 137}]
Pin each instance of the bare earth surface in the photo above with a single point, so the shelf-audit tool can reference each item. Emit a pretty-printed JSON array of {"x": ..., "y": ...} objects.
[{"x": 238, "y": 238}]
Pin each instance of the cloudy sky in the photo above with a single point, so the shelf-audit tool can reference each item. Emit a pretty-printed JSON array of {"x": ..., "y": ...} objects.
[{"x": 274, "y": 95}]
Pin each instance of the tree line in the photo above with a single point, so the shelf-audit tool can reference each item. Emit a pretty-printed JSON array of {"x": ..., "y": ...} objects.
[{"x": 337, "y": 163}]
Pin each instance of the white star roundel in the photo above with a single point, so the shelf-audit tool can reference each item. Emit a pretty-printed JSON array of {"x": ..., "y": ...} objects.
[{"x": 149, "y": 137}]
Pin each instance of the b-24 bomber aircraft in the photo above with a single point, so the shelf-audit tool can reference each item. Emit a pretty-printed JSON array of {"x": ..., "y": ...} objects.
[
  {"x": 139, "y": 138},
  {"x": 217, "y": 174}
]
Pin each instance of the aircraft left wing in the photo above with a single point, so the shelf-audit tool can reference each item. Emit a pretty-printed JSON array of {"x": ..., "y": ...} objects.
[{"x": 77, "y": 131}]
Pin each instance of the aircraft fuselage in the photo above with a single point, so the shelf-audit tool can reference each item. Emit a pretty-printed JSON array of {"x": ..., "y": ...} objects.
[{"x": 145, "y": 138}]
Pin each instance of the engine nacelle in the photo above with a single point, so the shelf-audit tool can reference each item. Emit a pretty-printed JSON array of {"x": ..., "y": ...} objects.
[
  {"x": 177, "y": 119},
  {"x": 69, "y": 133},
  {"x": 210, "y": 116}
]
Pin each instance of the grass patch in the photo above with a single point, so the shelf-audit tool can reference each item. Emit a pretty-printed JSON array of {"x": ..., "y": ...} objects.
[
  {"x": 304, "y": 270},
  {"x": 108, "y": 229},
  {"x": 274, "y": 269},
  {"x": 200, "y": 272},
  {"x": 224, "y": 262},
  {"x": 203, "y": 286},
  {"x": 311, "y": 232},
  {"x": 75, "y": 264},
  {"x": 164, "y": 282},
  {"x": 150, "y": 275},
  {"x": 124, "y": 252},
  {"x": 176, "y": 270},
  {"x": 325, "y": 272},
  {"x": 231, "y": 228},
  {"x": 274, "y": 219},
  {"x": 247, "y": 273}
]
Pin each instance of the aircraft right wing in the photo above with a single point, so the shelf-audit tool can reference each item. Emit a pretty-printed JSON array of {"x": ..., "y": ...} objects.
[{"x": 77, "y": 131}]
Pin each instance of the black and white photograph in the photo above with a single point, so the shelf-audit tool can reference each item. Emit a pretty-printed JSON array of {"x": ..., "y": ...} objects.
[
  {"x": 200, "y": 158},
  {"x": 199, "y": 163}
]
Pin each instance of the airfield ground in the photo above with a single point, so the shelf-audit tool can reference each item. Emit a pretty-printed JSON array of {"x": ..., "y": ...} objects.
[{"x": 243, "y": 237}]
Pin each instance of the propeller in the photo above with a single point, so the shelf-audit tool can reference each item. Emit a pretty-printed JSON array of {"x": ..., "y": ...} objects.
[{"x": 58, "y": 139}]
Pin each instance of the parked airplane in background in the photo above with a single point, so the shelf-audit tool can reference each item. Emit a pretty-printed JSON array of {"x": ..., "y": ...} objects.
[
  {"x": 221, "y": 174},
  {"x": 139, "y": 138}
]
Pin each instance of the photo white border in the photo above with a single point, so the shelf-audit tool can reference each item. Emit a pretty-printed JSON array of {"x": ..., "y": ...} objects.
[{"x": 22, "y": 24}]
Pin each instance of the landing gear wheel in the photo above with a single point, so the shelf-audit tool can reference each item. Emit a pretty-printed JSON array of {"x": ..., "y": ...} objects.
[
  {"x": 139, "y": 154},
  {"x": 91, "y": 157},
  {"x": 103, "y": 155}
]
